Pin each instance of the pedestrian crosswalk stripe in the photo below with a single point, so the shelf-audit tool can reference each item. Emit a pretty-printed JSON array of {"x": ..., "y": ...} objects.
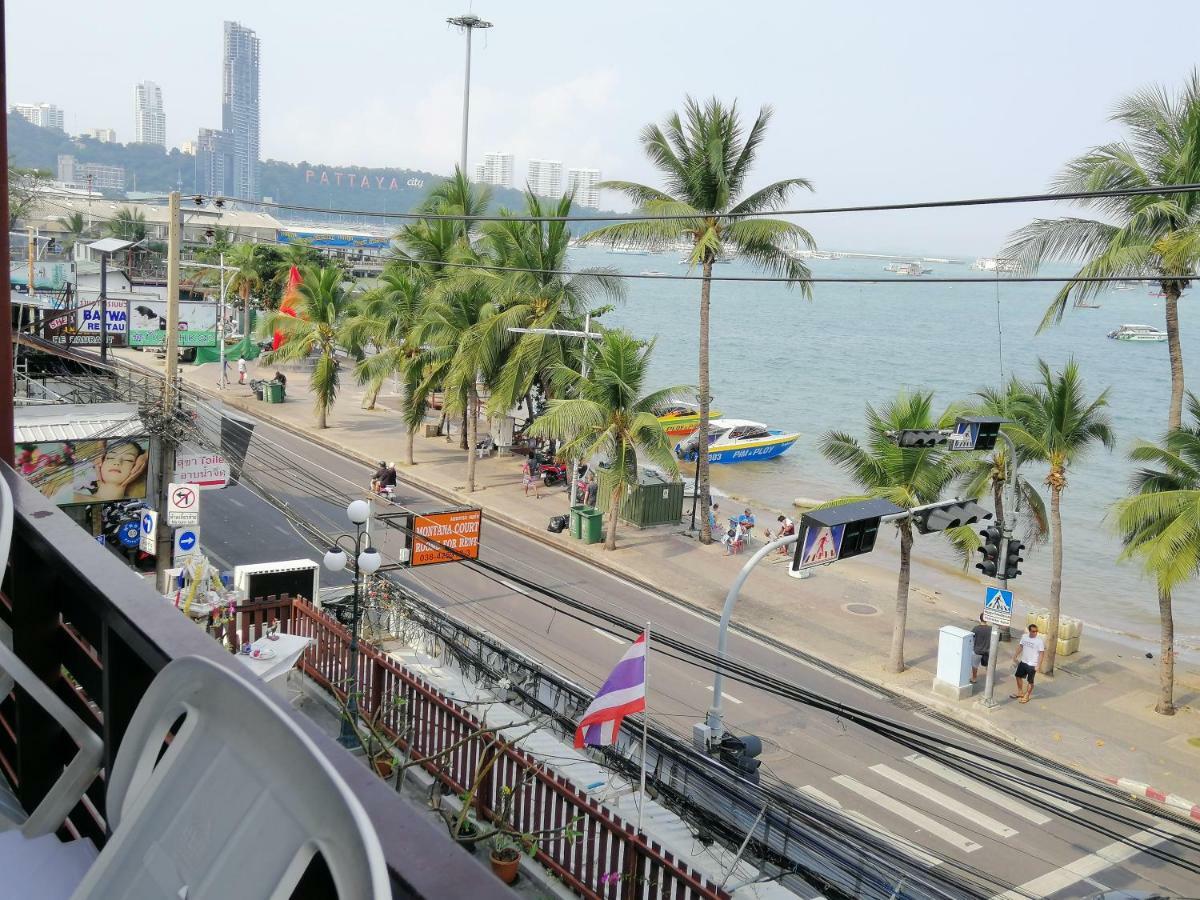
[
  {"x": 979, "y": 790},
  {"x": 902, "y": 844},
  {"x": 908, "y": 814},
  {"x": 955, "y": 806}
]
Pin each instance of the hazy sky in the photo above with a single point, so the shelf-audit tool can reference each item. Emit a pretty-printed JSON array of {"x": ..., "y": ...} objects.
[{"x": 873, "y": 102}]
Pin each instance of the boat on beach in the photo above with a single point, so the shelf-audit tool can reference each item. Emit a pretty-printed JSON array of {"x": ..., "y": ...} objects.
[
  {"x": 681, "y": 418},
  {"x": 737, "y": 440},
  {"x": 1140, "y": 333}
]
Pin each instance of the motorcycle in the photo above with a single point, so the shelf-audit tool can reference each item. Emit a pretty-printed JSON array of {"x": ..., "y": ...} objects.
[{"x": 552, "y": 472}]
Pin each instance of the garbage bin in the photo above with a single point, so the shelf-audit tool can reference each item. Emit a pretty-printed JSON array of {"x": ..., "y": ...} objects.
[
  {"x": 591, "y": 525},
  {"x": 576, "y": 520},
  {"x": 258, "y": 391},
  {"x": 274, "y": 392}
]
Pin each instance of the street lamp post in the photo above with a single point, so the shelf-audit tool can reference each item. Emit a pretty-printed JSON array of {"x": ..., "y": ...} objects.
[
  {"x": 586, "y": 335},
  {"x": 467, "y": 23},
  {"x": 366, "y": 560}
]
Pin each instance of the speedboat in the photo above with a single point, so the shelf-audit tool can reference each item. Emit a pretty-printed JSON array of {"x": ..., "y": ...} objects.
[
  {"x": 1138, "y": 333},
  {"x": 654, "y": 273},
  {"x": 682, "y": 417},
  {"x": 736, "y": 440}
]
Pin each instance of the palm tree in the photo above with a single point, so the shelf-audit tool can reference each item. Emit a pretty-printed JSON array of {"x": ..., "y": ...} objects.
[
  {"x": 608, "y": 416},
  {"x": 988, "y": 472},
  {"x": 246, "y": 279},
  {"x": 1139, "y": 236},
  {"x": 128, "y": 224},
  {"x": 1160, "y": 524},
  {"x": 537, "y": 297},
  {"x": 76, "y": 229},
  {"x": 907, "y": 477},
  {"x": 1056, "y": 426},
  {"x": 705, "y": 158},
  {"x": 384, "y": 318},
  {"x": 319, "y": 313}
]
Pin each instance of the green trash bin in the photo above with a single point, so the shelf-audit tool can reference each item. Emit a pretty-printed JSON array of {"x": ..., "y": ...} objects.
[
  {"x": 592, "y": 525},
  {"x": 576, "y": 511},
  {"x": 273, "y": 392}
]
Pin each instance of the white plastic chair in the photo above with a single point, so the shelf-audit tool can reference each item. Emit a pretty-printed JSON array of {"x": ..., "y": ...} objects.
[{"x": 238, "y": 805}]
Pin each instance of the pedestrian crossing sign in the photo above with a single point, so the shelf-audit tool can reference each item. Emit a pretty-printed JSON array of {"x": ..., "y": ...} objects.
[
  {"x": 822, "y": 545},
  {"x": 997, "y": 606}
]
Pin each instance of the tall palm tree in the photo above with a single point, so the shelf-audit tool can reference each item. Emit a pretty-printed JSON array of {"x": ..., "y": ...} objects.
[
  {"x": 128, "y": 224},
  {"x": 246, "y": 279},
  {"x": 705, "y": 158},
  {"x": 322, "y": 303},
  {"x": 1145, "y": 235},
  {"x": 537, "y": 296},
  {"x": 906, "y": 476},
  {"x": 385, "y": 318},
  {"x": 608, "y": 416},
  {"x": 1160, "y": 524},
  {"x": 988, "y": 472},
  {"x": 76, "y": 228},
  {"x": 1056, "y": 425}
]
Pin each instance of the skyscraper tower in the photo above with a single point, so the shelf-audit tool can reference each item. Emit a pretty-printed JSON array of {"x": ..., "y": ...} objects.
[
  {"x": 239, "y": 107},
  {"x": 149, "y": 120}
]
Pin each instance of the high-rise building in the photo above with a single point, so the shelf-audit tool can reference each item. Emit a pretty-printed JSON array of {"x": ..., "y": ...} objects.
[
  {"x": 103, "y": 135},
  {"x": 95, "y": 176},
  {"x": 479, "y": 173},
  {"x": 240, "y": 109},
  {"x": 188, "y": 148},
  {"x": 46, "y": 115},
  {"x": 545, "y": 177},
  {"x": 497, "y": 169},
  {"x": 149, "y": 120},
  {"x": 214, "y": 163},
  {"x": 583, "y": 182}
]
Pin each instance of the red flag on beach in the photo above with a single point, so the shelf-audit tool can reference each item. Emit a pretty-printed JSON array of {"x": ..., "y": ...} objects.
[{"x": 288, "y": 305}]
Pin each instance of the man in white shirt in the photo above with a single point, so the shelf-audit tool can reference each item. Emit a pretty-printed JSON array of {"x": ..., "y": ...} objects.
[{"x": 1028, "y": 658}]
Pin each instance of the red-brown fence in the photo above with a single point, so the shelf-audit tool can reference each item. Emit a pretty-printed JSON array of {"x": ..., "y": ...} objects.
[{"x": 585, "y": 844}]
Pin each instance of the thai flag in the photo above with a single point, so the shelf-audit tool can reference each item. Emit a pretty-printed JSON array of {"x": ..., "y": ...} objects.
[{"x": 623, "y": 693}]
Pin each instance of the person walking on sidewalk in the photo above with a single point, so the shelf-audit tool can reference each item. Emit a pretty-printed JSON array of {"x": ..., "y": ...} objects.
[
  {"x": 529, "y": 477},
  {"x": 983, "y": 644},
  {"x": 241, "y": 370},
  {"x": 1028, "y": 657}
]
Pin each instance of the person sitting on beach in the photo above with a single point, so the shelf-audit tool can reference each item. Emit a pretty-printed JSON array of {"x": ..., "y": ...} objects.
[{"x": 786, "y": 529}]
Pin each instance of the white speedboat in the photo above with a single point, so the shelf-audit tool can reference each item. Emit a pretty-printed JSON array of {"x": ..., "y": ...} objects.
[
  {"x": 1138, "y": 333},
  {"x": 652, "y": 273},
  {"x": 736, "y": 440}
]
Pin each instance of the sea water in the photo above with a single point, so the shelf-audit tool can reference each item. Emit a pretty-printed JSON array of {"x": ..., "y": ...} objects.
[{"x": 812, "y": 366}]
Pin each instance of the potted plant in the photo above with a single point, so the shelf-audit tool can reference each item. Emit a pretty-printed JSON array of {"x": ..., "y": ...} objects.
[
  {"x": 467, "y": 835},
  {"x": 505, "y": 856}
]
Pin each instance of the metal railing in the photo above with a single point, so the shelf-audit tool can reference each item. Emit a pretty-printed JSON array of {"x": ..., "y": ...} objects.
[
  {"x": 598, "y": 856},
  {"x": 98, "y": 635}
]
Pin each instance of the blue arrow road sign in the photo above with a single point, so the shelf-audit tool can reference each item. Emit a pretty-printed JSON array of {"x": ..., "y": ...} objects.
[
  {"x": 129, "y": 533},
  {"x": 147, "y": 523},
  {"x": 187, "y": 541},
  {"x": 997, "y": 606}
]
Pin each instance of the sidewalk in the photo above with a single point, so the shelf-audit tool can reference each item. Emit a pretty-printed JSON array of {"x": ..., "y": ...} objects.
[{"x": 1096, "y": 713}]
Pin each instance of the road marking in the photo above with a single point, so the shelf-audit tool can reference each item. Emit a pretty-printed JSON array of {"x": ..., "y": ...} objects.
[
  {"x": 1092, "y": 864},
  {"x": 725, "y": 695},
  {"x": 902, "y": 844},
  {"x": 611, "y": 637},
  {"x": 955, "y": 806},
  {"x": 979, "y": 790},
  {"x": 906, "y": 812}
]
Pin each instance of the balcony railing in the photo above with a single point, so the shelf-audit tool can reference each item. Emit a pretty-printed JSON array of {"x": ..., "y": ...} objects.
[{"x": 97, "y": 635}]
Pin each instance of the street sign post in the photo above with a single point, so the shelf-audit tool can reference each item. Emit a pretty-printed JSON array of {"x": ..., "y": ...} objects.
[
  {"x": 149, "y": 530},
  {"x": 997, "y": 606},
  {"x": 186, "y": 540},
  {"x": 183, "y": 505}
]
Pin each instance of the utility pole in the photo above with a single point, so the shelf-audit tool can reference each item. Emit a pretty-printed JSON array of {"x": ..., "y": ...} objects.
[
  {"x": 1012, "y": 506},
  {"x": 164, "y": 543},
  {"x": 468, "y": 23}
]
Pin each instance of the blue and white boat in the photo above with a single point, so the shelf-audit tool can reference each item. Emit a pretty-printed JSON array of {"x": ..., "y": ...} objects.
[{"x": 736, "y": 440}]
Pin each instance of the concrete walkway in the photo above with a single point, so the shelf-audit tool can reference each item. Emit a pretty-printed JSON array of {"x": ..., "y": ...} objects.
[{"x": 1096, "y": 713}]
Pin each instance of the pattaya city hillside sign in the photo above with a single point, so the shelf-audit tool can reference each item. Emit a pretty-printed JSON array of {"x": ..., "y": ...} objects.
[{"x": 358, "y": 181}]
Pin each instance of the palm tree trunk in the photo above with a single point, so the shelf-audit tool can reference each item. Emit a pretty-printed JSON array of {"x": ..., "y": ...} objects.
[
  {"x": 702, "y": 433},
  {"x": 1056, "y": 562},
  {"x": 900, "y": 623},
  {"x": 998, "y": 494},
  {"x": 471, "y": 430},
  {"x": 1166, "y": 652},
  {"x": 610, "y": 539},
  {"x": 371, "y": 396},
  {"x": 408, "y": 447},
  {"x": 1175, "y": 413},
  {"x": 462, "y": 435},
  {"x": 321, "y": 411}
]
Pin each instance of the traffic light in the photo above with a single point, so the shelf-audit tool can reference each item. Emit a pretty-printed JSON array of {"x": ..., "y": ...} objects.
[
  {"x": 950, "y": 514},
  {"x": 990, "y": 551},
  {"x": 739, "y": 754},
  {"x": 918, "y": 437},
  {"x": 1013, "y": 558}
]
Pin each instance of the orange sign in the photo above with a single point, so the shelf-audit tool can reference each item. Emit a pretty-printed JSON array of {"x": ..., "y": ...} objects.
[{"x": 453, "y": 536}]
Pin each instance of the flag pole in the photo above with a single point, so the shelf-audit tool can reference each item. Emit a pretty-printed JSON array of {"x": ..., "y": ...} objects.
[{"x": 645, "y": 727}]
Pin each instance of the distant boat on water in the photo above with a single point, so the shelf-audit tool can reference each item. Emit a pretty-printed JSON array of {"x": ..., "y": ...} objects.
[
  {"x": 907, "y": 268},
  {"x": 652, "y": 273},
  {"x": 995, "y": 264},
  {"x": 1139, "y": 333}
]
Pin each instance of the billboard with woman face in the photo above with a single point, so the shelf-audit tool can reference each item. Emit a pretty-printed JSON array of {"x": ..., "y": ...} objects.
[{"x": 89, "y": 471}]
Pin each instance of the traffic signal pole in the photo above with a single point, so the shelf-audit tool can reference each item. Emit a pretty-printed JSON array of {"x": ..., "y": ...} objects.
[
  {"x": 164, "y": 542},
  {"x": 1011, "y": 508}
]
